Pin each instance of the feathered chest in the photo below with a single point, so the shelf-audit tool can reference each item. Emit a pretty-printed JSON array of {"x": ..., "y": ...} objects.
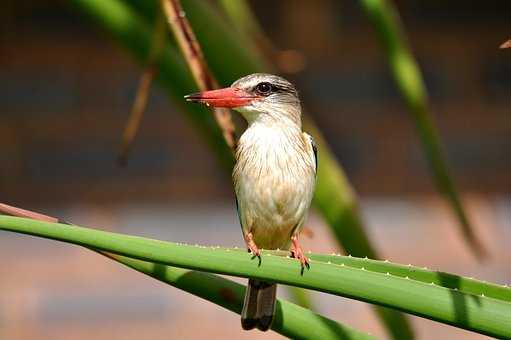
[
  {"x": 274, "y": 157},
  {"x": 274, "y": 181},
  {"x": 274, "y": 172}
]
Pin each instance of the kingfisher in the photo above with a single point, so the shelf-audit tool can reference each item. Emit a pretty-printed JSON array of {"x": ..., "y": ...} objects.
[{"x": 274, "y": 176}]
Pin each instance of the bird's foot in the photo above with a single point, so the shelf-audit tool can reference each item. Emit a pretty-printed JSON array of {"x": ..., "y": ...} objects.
[
  {"x": 254, "y": 250},
  {"x": 297, "y": 253},
  {"x": 252, "y": 247}
]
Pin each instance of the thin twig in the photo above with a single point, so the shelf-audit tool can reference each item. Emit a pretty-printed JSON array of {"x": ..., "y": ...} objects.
[
  {"x": 193, "y": 55},
  {"x": 136, "y": 114},
  {"x": 144, "y": 87},
  {"x": 506, "y": 44},
  {"x": 18, "y": 212}
]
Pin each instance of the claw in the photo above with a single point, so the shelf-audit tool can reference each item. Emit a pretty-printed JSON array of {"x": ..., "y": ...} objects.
[
  {"x": 297, "y": 253},
  {"x": 252, "y": 247}
]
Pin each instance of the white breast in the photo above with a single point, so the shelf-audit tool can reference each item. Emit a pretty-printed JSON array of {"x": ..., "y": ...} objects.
[{"x": 274, "y": 181}]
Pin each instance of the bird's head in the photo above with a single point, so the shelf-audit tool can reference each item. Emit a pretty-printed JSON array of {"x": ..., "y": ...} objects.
[{"x": 258, "y": 97}]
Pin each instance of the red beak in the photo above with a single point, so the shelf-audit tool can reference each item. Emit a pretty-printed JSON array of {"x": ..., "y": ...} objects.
[{"x": 229, "y": 97}]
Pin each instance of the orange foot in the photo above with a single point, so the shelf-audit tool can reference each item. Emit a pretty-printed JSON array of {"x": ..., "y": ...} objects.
[
  {"x": 297, "y": 253},
  {"x": 252, "y": 247}
]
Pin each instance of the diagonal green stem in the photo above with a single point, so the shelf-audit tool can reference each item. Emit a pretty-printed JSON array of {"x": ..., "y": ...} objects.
[
  {"x": 478, "y": 313},
  {"x": 409, "y": 81}
]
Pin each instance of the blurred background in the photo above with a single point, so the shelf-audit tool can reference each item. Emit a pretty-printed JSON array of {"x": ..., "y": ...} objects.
[{"x": 65, "y": 93}]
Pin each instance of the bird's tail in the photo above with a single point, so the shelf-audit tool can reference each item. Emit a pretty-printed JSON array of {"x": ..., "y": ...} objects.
[{"x": 259, "y": 305}]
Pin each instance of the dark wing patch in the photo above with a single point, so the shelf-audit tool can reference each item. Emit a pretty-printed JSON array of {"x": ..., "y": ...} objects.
[
  {"x": 238, "y": 210},
  {"x": 315, "y": 149}
]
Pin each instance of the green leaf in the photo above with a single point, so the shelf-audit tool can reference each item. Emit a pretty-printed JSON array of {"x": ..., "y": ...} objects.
[
  {"x": 290, "y": 320},
  {"x": 480, "y": 313},
  {"x": 407, "y": 75},
  {"x": 462, "y": 284}
]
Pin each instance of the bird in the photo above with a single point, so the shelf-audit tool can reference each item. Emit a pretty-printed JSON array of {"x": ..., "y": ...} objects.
[{"x": 274, "y": 176}]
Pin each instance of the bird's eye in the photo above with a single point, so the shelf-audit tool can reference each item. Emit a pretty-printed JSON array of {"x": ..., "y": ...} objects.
[{"x": 264, "y": 88}]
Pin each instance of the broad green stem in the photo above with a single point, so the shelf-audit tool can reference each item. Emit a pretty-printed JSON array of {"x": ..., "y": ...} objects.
[{"x": 478, "y": 313}]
